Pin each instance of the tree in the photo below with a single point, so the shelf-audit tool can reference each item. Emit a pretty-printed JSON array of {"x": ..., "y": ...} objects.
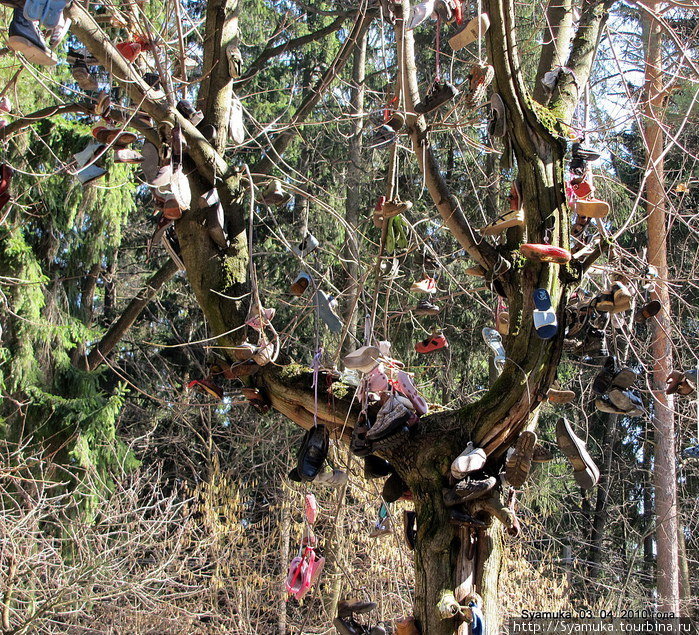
[{"x": 224, "y": 283}]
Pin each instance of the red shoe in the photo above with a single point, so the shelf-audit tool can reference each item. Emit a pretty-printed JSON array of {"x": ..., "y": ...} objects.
[
  {"x": 433, "y": 343},
  {"x": 545, "y": 253},
  {"x": 130, "y": 50},
  {"x": 581, "y": 190},
  {"x": 207, "y": 387}
]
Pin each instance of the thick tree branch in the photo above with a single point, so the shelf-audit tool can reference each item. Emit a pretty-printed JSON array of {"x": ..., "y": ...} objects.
[
  {"x": 582, "y": 54},
  {"x": 445, "y": 202},
  {"x": 116, "y": 331},
  {"x": 290, "y": 45},
  {"x": 556, "y": 37}
]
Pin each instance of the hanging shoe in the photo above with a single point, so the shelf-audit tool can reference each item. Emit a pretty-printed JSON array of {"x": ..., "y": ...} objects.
[
  {"x": 474, "y": 29},
  {"x": 235, "y": 60},
  {"x": 557, "y": 396},
  {"x": 497, "y": 126},
  {"x": 307, "y": 246},
  {"x": 519, "y": 463},
  {"x": 47, "y": 12},
  {"x": 467, "y": 490},
  {"x": 545, "y": 321},
  {"x": 81, "y": 74},
  {"x": 189, "y": 112},
  {"x": 376, "y": 467},
  {"x": 432, "y": 343},
  {"x": 647, "y": 311},
  {"x": 207, "y": 387},
  {"x": 130, "y": 50},
  {"x": 591, "y": 207},
  {"x": 236, "y": 125},
  {"x": 113, "y": 135},
  {"x": 90, "y": 173},
  {"x": 545, "y": 253},
  {"x": 89, "y": 154},
  {"x": 692, "y": 452},
  {"x": 425, "y": 307},
  {"x": 419, "y": 13},
  {"x": 24, "y": 37},
  {"x": 325, "y": 311},
  {"x": 348, "y": 608},
  {"x": 426, "y": 285},
  {"x": 581, "y": 152},
  {"x": 313, "y": 452},
  {"x": 438, "y": 94},
  {"x": 392, "y": 416},
  {"x": 404, "y": 385},
  {"x": 478, "y": 80},
  {"x": 300, "y": 284},
  {"x": 585, "y": 471},
  {"x": 470, "y": 460},
  {"x": 494, "y": 340},
  {"x": 126, "y": 155},
  {"x": 215, "y": 226},
  {"x": 331, "y": 478},
  {"x": 513, "y": 218},
  {"x": 364, "y": 359}
]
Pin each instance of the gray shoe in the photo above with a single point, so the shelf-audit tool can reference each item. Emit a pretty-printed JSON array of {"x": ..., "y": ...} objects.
[
  {"x": 326, "y": 313},
  {"x": 494, "y": 340},
  {"x": 585, "y": 471}
]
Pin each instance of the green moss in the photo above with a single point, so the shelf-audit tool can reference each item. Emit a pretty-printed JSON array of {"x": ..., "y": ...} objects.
[
  {"x": 549, "y": 118},
  {"x": 339, "y": 390}
]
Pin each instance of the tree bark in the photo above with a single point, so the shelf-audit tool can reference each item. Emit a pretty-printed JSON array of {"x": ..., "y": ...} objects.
[{"x": 664, "y": 474}]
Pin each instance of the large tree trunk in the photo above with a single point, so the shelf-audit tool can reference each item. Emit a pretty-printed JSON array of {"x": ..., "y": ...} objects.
[{"x": 665, "y": 478}]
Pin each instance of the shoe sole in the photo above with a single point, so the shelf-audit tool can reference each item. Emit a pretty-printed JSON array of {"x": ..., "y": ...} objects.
[
  {"x": 32, "y": 52},
  {"x": 585, "y": 471},
  {"x": 491, "y": 230},
  {"x": 520, "y": 463}
]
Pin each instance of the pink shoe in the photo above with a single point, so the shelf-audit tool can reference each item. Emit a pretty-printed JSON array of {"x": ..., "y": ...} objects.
[
  {"x": 253, "y": 320},
  {"x": 405, "y": 385},
  {"x": 298, "y": 571},
  {"x": 307, "y": 572},
  {"x": 376, "y": 380},
  {"x": 311, "y": 509}
]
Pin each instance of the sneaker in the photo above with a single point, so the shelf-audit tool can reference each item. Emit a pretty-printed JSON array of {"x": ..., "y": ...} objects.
[
  {"x": 425, "y": 307},
  {"x": 364, "y": 359},
  {"x": 478, "y": 80},
  {"x": 300, "y": 284},
  {"x": 391, "y": 417},
  {"x": 419, "y": 13},
  {"x": 519, "y": 462},
  {"x": 581, "y": 152},
  {"x": 497, "y": 126},
  {"x": 90, "y": 173},
  {"x": 308, "y": 245},
  {"x": 545, "y": 321},
  {"x": 470, "y": 460},
  {"x": 473, "y": 30},
  {"x": 545, "y": 253},
  {"x": 347, "y": 608},
  {"x": 426, "y": 285},
  {"x": 692, "y": 452},
  {"x": 494, "y": 340},
  {"x": 467, "y": 490},
  {"x": 438, "y": 94},
  {"x": 48, "y": 13},
  {"x": 627, "y": 402},
  {"x": 24, "y": 37},
  {"x": 433, "y": 343},
  {"x": 585, "y": 471}
]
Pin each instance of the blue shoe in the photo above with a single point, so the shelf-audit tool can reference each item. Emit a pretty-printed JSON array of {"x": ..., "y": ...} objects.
[
  {"x": 24, "y": 37},
  {"x": 692, "y": 452},
  {"x": 545, "y": 321}
]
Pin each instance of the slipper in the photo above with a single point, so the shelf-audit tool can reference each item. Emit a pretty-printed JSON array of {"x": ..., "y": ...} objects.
[
  {"x": 591, "y": 207},
  {"x": 364, "y": 359},
  {"x": 324, "y": 309},
  {"x": 545, "y": 321},
  {"x": 300, "y": 284},
  {"x": 494, "y": 340},
  {"x": 585, "y": 471},
  {"x": 431, "y": 344},
  {"x": 519, "y": 462},
  {"x": 646, "y": 312},
  {"x": 405, "y": 385},
  {"x": 545, "y": 253},
  {"x": 377, "y": 380},
  {"x": 474, "y": 29},
  {"x": 470, "y": 460}
]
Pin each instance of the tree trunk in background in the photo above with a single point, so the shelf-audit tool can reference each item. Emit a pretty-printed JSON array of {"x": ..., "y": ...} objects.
[
  {"x": 685, "y": 583},
  {"x": 353, "y": 202},
  {"x": 664, "y": 475}
]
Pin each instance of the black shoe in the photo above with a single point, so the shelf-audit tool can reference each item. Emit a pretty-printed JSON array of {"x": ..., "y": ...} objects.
[
  {"x": 24, "y": 37},
  {"x": 376, "y": 467},
  {"x": 588, "y": 154},
  {"x": 603, "y": 380},
  {"x": 410, "y": 528},
  {"x": 313, "y": 452},
  {"x": 347, "y": 608},
  {"x": 438, "y": 94},
  {"x": 209, "y": 132},
  {"x": 189, "y": 112},
  {"x": 578, "y": 166},
  {"x": 347, "y": 626},
  {"x": 459, "y": 516},
  {"x": 294, "y": 475},
  {"x": 394, "y": 488},
  {"x": 152, "y": 79},
  {"x": 82, "y": 55}
]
